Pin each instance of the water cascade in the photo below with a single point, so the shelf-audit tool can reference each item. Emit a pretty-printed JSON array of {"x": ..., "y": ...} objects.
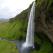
[{"x": 30, "y": 29}]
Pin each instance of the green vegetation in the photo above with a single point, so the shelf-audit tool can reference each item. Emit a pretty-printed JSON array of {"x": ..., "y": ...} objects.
[
  {"x": 7, "y": 47},
  {"x": 16, "y": 29},
  {"x": 12, "y": 30},
  {"x": 45, "y": 48},
  {"x": 42, "y": 45}
]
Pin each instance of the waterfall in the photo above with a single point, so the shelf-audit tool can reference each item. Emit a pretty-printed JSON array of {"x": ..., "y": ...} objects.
[{"x": 30, "y": 29}]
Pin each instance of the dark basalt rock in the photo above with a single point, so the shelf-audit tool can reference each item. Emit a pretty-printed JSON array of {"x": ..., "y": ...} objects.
[{"x": 44, "y": 18}]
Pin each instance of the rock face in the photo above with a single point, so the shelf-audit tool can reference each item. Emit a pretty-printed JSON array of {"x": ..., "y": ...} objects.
[{"x": 44, "y": 18}]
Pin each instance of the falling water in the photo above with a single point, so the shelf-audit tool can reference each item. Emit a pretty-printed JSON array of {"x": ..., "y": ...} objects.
[{"x": 30, "y": 29}]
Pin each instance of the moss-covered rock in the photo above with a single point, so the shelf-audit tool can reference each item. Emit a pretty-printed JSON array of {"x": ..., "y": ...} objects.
[{"x": 44, "y": 18}]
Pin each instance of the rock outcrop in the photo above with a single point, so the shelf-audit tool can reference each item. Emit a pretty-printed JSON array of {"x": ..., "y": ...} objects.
[{"x": 44, "y": 18}]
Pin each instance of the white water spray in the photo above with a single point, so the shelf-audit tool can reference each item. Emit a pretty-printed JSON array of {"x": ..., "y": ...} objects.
[{"x": 30, "y": 29}]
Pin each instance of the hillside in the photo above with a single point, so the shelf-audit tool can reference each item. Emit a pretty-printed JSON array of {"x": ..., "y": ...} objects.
[
  {"x": 43, "y": 26},
  {"x": 16, "y": 28}
]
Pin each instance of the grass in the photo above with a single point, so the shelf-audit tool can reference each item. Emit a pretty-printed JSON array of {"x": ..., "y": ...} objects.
[
  {"x": 7, "y": 47},
  {"x": 13, "y": 30}
]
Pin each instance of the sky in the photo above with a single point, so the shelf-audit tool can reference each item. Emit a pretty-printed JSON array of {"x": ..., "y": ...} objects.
[{"x": 10, "y": 8}]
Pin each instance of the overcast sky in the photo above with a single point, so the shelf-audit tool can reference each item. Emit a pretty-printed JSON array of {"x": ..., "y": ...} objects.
[{"x": 10, "y": 8}]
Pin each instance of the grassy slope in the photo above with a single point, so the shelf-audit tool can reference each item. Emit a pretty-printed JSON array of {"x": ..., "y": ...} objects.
[
  {"x": 7, "y": 47},
  {"x": 12, "y": 30}
]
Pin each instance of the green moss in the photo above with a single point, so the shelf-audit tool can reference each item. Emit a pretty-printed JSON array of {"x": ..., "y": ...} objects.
[{"x": 42, "y": 46}]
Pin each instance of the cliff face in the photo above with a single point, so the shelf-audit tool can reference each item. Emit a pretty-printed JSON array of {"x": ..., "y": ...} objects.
[{"x": 44, "y": 18}]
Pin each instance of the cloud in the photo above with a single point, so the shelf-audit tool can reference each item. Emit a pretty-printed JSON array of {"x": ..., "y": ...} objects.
[
  {"x": 9, "y": 8},
  {"x": 6, "y": 13}
]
